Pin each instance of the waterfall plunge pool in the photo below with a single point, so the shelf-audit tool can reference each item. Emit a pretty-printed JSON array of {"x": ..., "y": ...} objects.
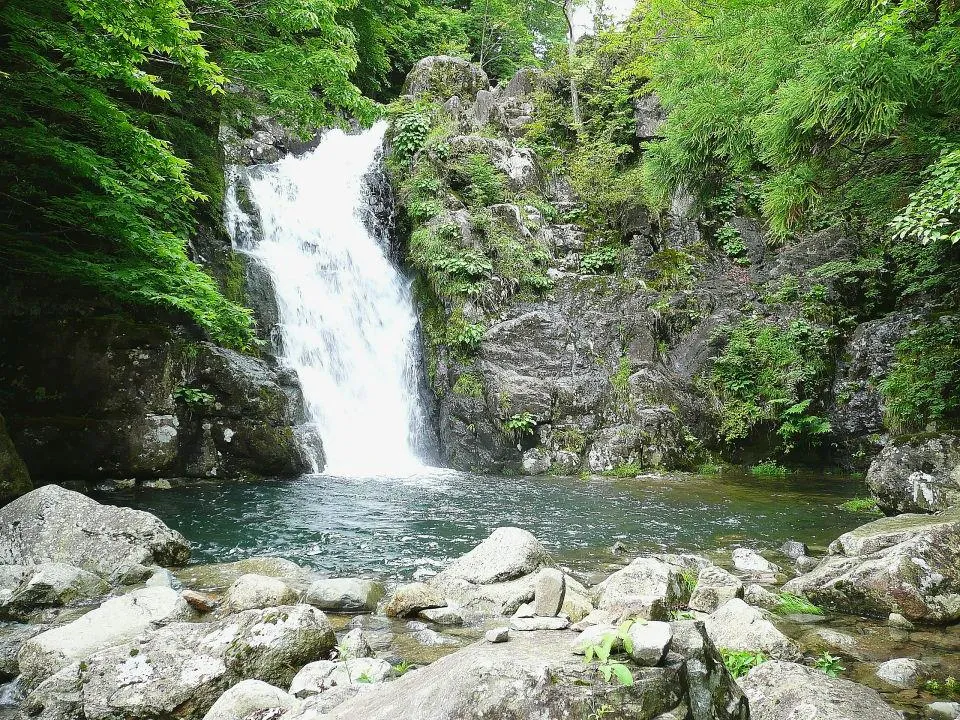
[{"x": 400, "y": 528}]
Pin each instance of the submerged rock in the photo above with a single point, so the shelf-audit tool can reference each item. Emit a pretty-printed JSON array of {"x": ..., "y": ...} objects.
[
  {"x": 787, "y": 691},
  {"x": 51, "y": 524},
  {"x": 903, "y": 672},
  {"x": 908, "y": 564},
  {"x": 918, "y": 473},
  {"x": 220, "y": 576}
]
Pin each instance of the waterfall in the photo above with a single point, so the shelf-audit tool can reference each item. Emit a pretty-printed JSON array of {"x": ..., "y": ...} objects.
[{"x": 347, "y": 325}]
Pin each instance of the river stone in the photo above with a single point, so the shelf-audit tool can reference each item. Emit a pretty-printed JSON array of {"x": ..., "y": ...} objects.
[
  {"x": 714, "y": 587},
  {"x": 442, "y": 616},
  {"x": 738, "y": 626},
  {"x": 595, "y": 617},
  {"x": 318, "y": 677},
  {"x": 787, "y": 691},
  {"x": 52, "y": 584},
  {"x": 116, "y": 621},
  {"x": 217, "y": 577},
  {"x": 345, "y": 594},
  {"x": 10, "y": 578},
  {"x": 903, "y": 672},
  {"x": 646, "y": 588},
  {"x": 759, "y": 596},
  {"x": 509, "y": 553},
  {"x": 12, "y": 638},
  {"x": 751, "y": 562},
  {"x": 908, "y": 564},
  {"x": 412, "y": 598},
  {"x": 248, "y": 697},
  {"x": 896, "y": 620},
  {"x": 181, "y": 669},
  {"x": 497, "y": 635},
  {"x": 943, "y": 710},
  {"x": 548, "y": 592},
  {"x": 712, "y": 693},
  {"x": 201, "y": 602},
  {"x": 161, "y": 577},
  {"x": 533, "y": 676},
  {"x": 917, "y": 473},
  {"x": 250, "y": 592},
  {"x": 355, "y": 644},
  {"x": 539, "y": 623},
  {"x": 650, "y": 642},
  {"x": 51, "y": 524},
  {"x": 794, "y": 549},
  {"x": 525, "y": 611}
]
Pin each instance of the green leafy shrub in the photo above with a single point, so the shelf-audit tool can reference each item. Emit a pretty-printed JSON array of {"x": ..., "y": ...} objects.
[
  {"x": 410, "y": 125},
  {"x": 605, "y": 258},
  {"x": 768, "y": 468},
  {"x": 610, "y": 668},
  {"x": 740, "y": 662},
  {"x": 193, "y": 397},
  {"x": 627, "y": 470},
  {"x": 829, "y": 664},
  {"x": 464, "y": 335},
  {"x": 731, "y": 242},
  {"x": 769, "y": 375},
  {"x": 481, "y": 183},
  {"x": 923, "y": 385},
  {"x": 520, "y": 424}
]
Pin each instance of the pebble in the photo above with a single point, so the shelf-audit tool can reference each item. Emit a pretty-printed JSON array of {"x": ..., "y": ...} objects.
[{"x": 498, "y": 635}]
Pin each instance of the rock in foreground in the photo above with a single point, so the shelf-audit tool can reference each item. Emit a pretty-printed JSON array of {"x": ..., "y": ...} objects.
[
  {"x": 179, "y": 670},
  {"x": 908, "y": 564},
  {"x": 535, "y": 675},
  {"x": 51, "y": 524},
  {"x": 786, "y": 691}
]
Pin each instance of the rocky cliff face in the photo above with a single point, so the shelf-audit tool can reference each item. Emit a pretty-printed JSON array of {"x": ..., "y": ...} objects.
[
  {"x": 93, "y": 393},
  {"x": 553, "y": 349}
]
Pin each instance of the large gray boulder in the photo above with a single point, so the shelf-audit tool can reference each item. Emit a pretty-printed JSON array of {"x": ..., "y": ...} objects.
[
  {"x": 647, "y": 588},
  {"x": 51, "y": 524},
  {"x": 116, "y": 621},
  {"x": 738, "y": 626},
  {"x": 787, "y": 691},
  {"x": 181, "y": 669},
  {"x": 535, "y": 675},
  {"x": 915, "y": 474},
  {"x": 507, "y": 554},
  {"x": 908, "y": 564},
  {"x": 440, "y": 77}
]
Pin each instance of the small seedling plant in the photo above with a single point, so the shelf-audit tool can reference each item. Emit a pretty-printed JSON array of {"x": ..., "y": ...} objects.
[
  {"x": 602, "y": 651},
  {"x": 829, "y": 664}
]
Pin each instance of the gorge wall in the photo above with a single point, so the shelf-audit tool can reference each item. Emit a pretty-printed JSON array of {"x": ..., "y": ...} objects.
[{"x": 553, "y": 347}]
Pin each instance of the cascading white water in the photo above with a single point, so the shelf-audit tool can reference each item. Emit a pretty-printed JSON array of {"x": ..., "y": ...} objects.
[{"x": 347, "y": 323}]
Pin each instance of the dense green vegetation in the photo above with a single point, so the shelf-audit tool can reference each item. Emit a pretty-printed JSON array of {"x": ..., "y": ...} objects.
[{"x": 110, "y": 114}]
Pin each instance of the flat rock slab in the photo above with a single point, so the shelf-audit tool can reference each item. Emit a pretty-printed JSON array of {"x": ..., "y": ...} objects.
[{"x": 787, "y": 691}]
